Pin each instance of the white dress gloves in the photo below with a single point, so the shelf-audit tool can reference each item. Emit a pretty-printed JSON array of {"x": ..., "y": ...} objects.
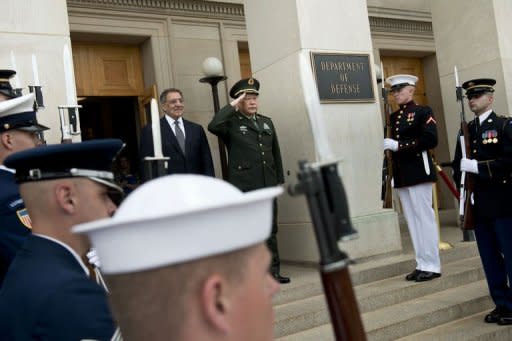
[
  {"x": 390, "y": 144},
  {"x": 469, "y": 165}
]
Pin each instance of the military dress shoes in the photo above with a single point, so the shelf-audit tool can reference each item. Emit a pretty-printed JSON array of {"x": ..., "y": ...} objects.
[
  {"x": 281, "y": 279},
  {"x": 505, "y": 318},
  {"x": 493, "y": 316},
  {"x": 412, "y": 275},
  {"x": 424, "y": 276}
]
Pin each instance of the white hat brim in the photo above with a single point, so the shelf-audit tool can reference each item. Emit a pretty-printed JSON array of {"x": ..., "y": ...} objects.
[{"x": 145, "y": 243}]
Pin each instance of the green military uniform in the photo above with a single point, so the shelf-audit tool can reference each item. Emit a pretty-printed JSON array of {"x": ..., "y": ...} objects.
[{"x": 254, "y": 157}]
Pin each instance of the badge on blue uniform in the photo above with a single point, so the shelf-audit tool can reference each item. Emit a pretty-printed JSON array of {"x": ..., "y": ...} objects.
[{"x": 24, "y": 217}]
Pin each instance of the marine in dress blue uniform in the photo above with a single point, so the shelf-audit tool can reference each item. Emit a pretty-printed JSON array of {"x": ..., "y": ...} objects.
[
  {"x": 18, "y": 125},
  {"x": 490, "y": 164},
  {"x": 47, "y": 293},
  {"x": 414, "y": 132},
  {"x": 253, "y": 152}
]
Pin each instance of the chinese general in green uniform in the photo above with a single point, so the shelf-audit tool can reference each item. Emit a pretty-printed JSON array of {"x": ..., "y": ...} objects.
[{"x": 253, "y": 150}]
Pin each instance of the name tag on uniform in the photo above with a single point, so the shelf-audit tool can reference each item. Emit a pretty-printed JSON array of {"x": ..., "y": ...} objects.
[{"x": 243, "y": 129}]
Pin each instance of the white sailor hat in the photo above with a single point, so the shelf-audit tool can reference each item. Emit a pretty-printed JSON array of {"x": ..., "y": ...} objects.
[
  {"x": 399, "y": 81},
  {"x": 207, "y": 217}
]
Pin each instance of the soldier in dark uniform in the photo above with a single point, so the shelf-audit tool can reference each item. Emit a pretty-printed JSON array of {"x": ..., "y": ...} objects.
[
  {"x": 18, "y": 131},
  {"x": 47, "y": 293},
  {"x": 253, "y": 150},
  {"x": 490, "y": 164},
  {"x": 414, "y": 132}
]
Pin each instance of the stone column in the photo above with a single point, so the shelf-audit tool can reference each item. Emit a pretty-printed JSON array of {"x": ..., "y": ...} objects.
[
  {"x": 477, "y": 43},
  {"x": 278, "y": 33},
  {"x": 39, "y": 28}
]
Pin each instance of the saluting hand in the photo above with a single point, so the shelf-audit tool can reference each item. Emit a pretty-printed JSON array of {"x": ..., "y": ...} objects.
[
  {"x": 390, "y": 144},
  {"x": 234, "y": 103},
  {"x": 469, "y": 165}
]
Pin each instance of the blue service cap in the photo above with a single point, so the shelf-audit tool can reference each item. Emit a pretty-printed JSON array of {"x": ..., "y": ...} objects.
[
  {"x": 91, "y": 159},
  {"x": 18, "y": 113},
  {"x": 5, "y": 85},
  {"x": 478, "y": 86}
]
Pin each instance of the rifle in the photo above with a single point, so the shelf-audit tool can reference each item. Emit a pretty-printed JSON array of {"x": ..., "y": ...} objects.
[
  {"x": 467, "y": 181},
  {"x": 445, "y": 178},
  {"x": 329, "y": 212},
  {"x": 388, "y": 189}
]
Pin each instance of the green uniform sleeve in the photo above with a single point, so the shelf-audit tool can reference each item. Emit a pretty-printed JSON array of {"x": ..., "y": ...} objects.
[{"x": 219, "y": 125}]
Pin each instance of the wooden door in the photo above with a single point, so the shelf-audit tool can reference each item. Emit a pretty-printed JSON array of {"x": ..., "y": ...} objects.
[
  {"x": 107, "y": 70},
  {"x": 405, "y": 65},
  {"x": 245, "y": 60}
]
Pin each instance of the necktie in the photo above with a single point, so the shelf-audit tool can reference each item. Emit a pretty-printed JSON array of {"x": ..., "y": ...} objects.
[{"x": 180, "y": 136}]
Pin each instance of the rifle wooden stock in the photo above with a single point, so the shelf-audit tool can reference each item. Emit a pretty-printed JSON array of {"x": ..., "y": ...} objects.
[
  {"x": 388, "y": 194},
  {"x": 344, "y": 317},
  {"x": 332, "y": 223},
  {"x": 467, "y": 220}
]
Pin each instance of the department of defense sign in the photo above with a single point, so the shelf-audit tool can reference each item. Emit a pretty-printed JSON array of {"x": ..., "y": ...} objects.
[{"x": 343, "y": 77}]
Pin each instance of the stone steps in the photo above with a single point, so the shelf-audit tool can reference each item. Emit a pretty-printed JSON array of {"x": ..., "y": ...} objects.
[
  {"x": 470, "y": 328},
  {"x": 391, "y": 307}
]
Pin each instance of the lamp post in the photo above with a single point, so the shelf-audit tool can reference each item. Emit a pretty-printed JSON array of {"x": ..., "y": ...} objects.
[{"x": 212, "y": 68}]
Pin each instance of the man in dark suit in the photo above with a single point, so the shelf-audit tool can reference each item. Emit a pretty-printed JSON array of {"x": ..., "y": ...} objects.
[
  {"x": 47, "y": 293},
  {"x": 414, "y": 132},
  {"x": 490, "y": 165},
  {"x": 253, "y": 150},
  {"x": 183, "y": 142},
  {"x": 19, "y": 130}
]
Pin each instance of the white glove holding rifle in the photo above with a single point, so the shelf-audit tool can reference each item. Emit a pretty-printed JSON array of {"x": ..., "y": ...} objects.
[{"x": 469, "y": 165}]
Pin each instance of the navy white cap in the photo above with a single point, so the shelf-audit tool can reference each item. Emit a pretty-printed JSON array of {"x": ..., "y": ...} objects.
[
  {"x": 207, "y": 216},
  {"x": 399, "y": 81},
  {"x": 91, "y": 159},
  {"x": 18, "y": 113}
]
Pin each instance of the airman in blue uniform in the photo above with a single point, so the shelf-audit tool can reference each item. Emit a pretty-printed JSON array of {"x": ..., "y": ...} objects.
[
  {"x": 18, "y": 131},
  {"x": 47, "y": 293}
]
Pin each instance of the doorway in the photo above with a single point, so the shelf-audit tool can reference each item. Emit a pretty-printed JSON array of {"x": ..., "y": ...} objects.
[
  {"x": 113, "y": 117},
  {"x": 110, "y": 86}
]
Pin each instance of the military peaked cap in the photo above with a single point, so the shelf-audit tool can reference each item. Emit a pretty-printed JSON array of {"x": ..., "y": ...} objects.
[
  {"x": 18, "y": 113},
  {"x": 91, "y": 159},
  {"x": 399, "y": 81},
  {"x": 478, "y": 86},
  {"x": 247, "y": 85}
]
